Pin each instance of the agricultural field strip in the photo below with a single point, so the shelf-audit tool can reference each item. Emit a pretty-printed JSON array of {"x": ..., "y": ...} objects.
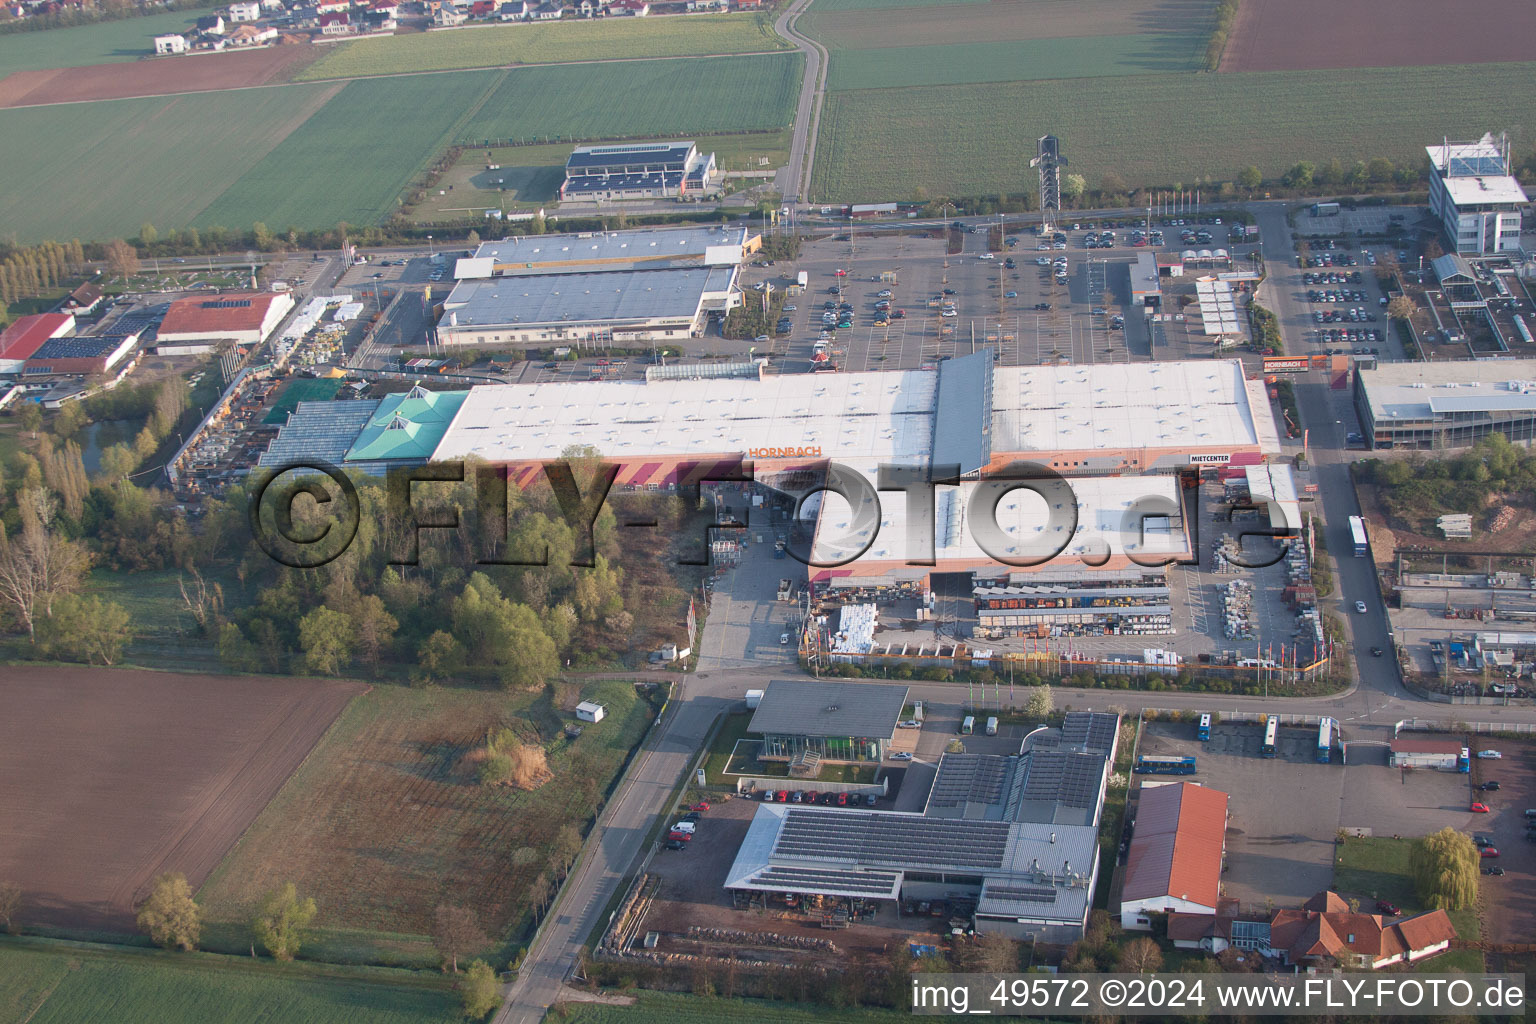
[
  {"x": 127, "y": 162},
  {"x": 578, "y": 42},
  {"x": 878, "y": 28},
  {"x": 109, "y": 42},
  {"x": 966, "y": 63},
  {"x": 280, "y": 154},
  {"x": 86, "y": 985},
  {"x": 978, "y": 136},
  {"x": 385, "y": 817}
]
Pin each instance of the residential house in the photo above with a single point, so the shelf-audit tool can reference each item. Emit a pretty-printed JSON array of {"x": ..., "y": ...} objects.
[
  {"x": 513, "y": 10},
  {"x": 449, "y": 15},
  {"x": 589, "y": 8},
  {"x": 332, "y": 6},
  {"x": 482, "y": 10},
  {"x": 1325, "y": 933},
  {"x": 170, "y": 44},
  {"x": 337, "y": 23},
  {"x": 246, "y": 10},
  {"x": 549, "y": 10},
  {"x": 384, "y": 9},
  {"x": 747, "y": 5},
  {"x": 695, "y": 6},
  {"x": 212, "y": 25},
  {"x": 253, "y": 35},
  {"x": 273, "y": 6},
  {"x": 630, "y": 8},
  {"x": 376, "y": 21}
]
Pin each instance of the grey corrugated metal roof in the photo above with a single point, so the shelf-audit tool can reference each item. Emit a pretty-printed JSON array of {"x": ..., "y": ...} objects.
[
  {"x": 566, "y": 299},
  {"x": 962, "y": 420},
  {"x": 827, "y": 708}
]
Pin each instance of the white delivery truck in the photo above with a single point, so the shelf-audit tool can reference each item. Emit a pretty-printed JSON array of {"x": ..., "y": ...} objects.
[{"x": 802, "y": 279}]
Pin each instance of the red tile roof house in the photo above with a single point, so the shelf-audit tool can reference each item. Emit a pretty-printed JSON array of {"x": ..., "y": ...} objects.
[
  {"x": 1174, "y": 863},
  {"x": 1324, "y": 933}
]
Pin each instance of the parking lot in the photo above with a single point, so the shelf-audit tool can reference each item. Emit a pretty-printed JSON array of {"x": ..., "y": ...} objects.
[
  {"x": 1509, "y": 900},
  {"x": 987, "y": 302},
  {"x": 1286, "y": 811}
]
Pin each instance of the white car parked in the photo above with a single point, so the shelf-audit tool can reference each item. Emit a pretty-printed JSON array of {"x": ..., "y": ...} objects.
[{"x": 1492, "y": 755}]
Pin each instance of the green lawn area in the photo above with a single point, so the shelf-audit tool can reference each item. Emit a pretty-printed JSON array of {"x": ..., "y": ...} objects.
[
  {"x": 90, "y": 985},
  {"x": 1015, "y": 60},
  {"x": 501, "y": 45},
  {"x": 161, "y": 160},
  {"x": 110, "y": 42},
  {"x": 978, "y": 139},
  {"x": 1378, "y": 867},
  {"x": 734, "y": 728},
  {"x": 638, "y": 100},
  {"x": 670, "y": 1008},
  {"x": 384, "y": 820}
]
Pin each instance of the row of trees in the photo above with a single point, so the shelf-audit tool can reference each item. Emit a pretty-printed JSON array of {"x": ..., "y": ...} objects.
[
  {"x": 1414, "y": 491},
  {"x": 33, "y": 269}
]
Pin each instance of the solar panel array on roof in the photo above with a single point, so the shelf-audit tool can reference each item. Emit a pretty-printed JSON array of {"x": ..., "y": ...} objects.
[
  {"x": 970, "y": 779},
  {"x": 870, "y": 838},
  {"x": 870, "y": 883},
  {"x": 225, "y": 304},
  {"x": 88, "y": 347},
  {"x": 1090, "y": 730},
  {"x": 1022, "y": 893},
  {"x": 139, "y": 321},
  {"x": 1064, "y": 777}
]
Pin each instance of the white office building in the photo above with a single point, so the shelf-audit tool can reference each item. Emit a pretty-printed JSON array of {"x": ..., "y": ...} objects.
[{"x": 1473, "y": 194}]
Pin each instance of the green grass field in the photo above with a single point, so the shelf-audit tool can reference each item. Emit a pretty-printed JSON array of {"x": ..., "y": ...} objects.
[
  {"x": 355, "y": 155},
  {"x": 670, "y": 1008},
  {"x": 125, "y": 162},
  {"x": 110, "y": 42},
  {"x": 637, "y": 100},
  {"x": 497, "y": 45},
  {"x": 979, "y": 138},
  {"x": 1006, "y": 61},
  {"x": 90, "y": 986}
]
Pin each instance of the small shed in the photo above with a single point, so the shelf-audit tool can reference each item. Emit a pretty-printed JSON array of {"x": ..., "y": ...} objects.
[{"x": 591, "y": 711}]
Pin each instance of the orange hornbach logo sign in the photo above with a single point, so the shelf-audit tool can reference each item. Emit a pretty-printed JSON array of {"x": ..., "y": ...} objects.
[{"x": 784, "y": 453}]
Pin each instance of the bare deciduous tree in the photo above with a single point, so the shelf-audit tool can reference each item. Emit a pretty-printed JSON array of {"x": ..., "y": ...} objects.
[
  {"x": 39, "y": 565},
  {"x": 456, "y": 933}
]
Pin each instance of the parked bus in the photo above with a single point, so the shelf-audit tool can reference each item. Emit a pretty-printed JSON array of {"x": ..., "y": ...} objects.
[
  {"x": 1325, "y": 730},
  {"x": 1357, "y": 535},
  {"x": 968, "y": 725},
  {"x": 1205, "y": 727},
  {"x": 1271, "y": 736},
  {"x": 1158, "y": 764}
]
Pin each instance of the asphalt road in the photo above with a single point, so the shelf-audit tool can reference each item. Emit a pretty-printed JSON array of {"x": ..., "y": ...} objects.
[{"x": 795, "y": 176}]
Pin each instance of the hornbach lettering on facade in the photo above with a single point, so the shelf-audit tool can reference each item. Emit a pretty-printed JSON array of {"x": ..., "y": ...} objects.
[{"x": 784, "y": 453}]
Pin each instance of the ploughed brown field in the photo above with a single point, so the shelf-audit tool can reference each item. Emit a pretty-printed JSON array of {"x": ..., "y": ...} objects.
[
  {"x": 199, "y": 72},
  {"x": 1297, "y": 35},
  {"x": 112, "y": 776}
]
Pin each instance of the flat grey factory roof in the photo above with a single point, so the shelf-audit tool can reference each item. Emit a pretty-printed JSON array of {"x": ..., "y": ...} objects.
[
  {"x": 827, "y": 708},
  {"x": 615, "y": 296},
  {"x": 1418, "y": 391},
  {"x": 657, "y": 243}
]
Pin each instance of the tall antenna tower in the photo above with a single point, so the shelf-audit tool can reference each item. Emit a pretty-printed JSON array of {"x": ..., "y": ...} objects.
[{"x": 1049, "y": 160}]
